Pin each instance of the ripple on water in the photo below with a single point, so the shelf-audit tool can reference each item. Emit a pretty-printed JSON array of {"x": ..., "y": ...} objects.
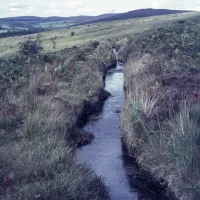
[{"x": 104, "y": 154}]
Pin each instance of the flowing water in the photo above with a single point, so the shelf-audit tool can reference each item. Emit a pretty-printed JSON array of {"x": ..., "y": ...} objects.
[{"x": 104, "y": 155}]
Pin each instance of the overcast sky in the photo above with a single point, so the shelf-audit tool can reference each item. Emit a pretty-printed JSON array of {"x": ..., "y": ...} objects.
[{"x": 87, "y": 7}]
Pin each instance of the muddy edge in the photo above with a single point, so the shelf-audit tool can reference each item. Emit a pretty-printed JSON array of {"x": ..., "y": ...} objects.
[
  {"x": 80, "y": 137},
  {"x": 143, "y": 179}
]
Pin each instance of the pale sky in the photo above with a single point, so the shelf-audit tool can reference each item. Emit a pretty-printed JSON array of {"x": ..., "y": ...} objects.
[{"x": 67, "y": 8}]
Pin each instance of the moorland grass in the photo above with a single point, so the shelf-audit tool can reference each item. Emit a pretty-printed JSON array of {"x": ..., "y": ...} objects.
[
  {"x": 161, "y": 115},
  {"x": 38, "y": 119},
  {"x": 86, "y": 33},
  {"x": 43, "y": 97}
]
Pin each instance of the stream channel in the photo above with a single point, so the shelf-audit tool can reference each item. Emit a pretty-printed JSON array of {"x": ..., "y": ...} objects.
[{"x": 105, "y": 154}]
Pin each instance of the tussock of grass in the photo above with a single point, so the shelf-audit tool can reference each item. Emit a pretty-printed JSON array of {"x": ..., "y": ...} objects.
[
  {"x": 38, "y": 154},
  {"x": 161, "y": 114}
]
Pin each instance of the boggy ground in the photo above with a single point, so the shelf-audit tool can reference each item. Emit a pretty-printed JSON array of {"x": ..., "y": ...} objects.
[
  {"x": 161, "y": 114},
  {"x": 41, "y": 101}
]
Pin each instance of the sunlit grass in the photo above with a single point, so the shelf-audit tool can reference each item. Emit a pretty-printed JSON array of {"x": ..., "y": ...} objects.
[{"x": 85, "y": 33}]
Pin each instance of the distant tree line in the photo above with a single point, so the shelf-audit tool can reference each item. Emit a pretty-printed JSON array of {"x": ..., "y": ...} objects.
[
  {"x": 19, "y": 33},
  {"x": 1, "y": 28}
]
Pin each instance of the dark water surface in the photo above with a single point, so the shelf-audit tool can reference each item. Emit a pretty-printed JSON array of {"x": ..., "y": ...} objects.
[{"x": 104, "y": 155}]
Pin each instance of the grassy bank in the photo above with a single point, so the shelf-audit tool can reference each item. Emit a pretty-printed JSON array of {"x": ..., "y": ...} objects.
[
  {"x": 161, "y": 114},
  {"x": 43, "y": 99}
]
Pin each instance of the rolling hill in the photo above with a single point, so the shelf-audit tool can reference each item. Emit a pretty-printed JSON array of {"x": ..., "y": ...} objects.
[
  {"x": 136, "y": 14},
  {"x": 78, "y": 19},
  {"x": 23, "y": 25}
]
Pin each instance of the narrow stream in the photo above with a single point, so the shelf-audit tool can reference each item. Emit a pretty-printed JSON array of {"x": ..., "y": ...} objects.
[{"x": 104, "y": 155}]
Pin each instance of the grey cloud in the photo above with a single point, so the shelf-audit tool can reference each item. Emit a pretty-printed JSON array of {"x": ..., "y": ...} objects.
[{"x": 19, "y": 6}]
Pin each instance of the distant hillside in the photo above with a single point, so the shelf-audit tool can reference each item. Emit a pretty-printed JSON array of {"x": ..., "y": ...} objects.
[
  {"x": 136, "y": 14},
  {"x": 77, "y": 19},
  {"x": 23, "y": 25},
  {"x": 23, "y": 18}
]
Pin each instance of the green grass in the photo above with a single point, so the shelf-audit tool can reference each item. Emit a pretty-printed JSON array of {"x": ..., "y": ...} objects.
[
  {"x": 161, "y": 114},
  {"x": 38, "y": 124},
  {"x": 43, "y": 98},
  {"x": 99, "y": 31}
]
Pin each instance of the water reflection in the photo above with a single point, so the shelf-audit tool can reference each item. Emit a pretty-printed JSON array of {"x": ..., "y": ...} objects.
[{"x": 105, "y": 155}]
